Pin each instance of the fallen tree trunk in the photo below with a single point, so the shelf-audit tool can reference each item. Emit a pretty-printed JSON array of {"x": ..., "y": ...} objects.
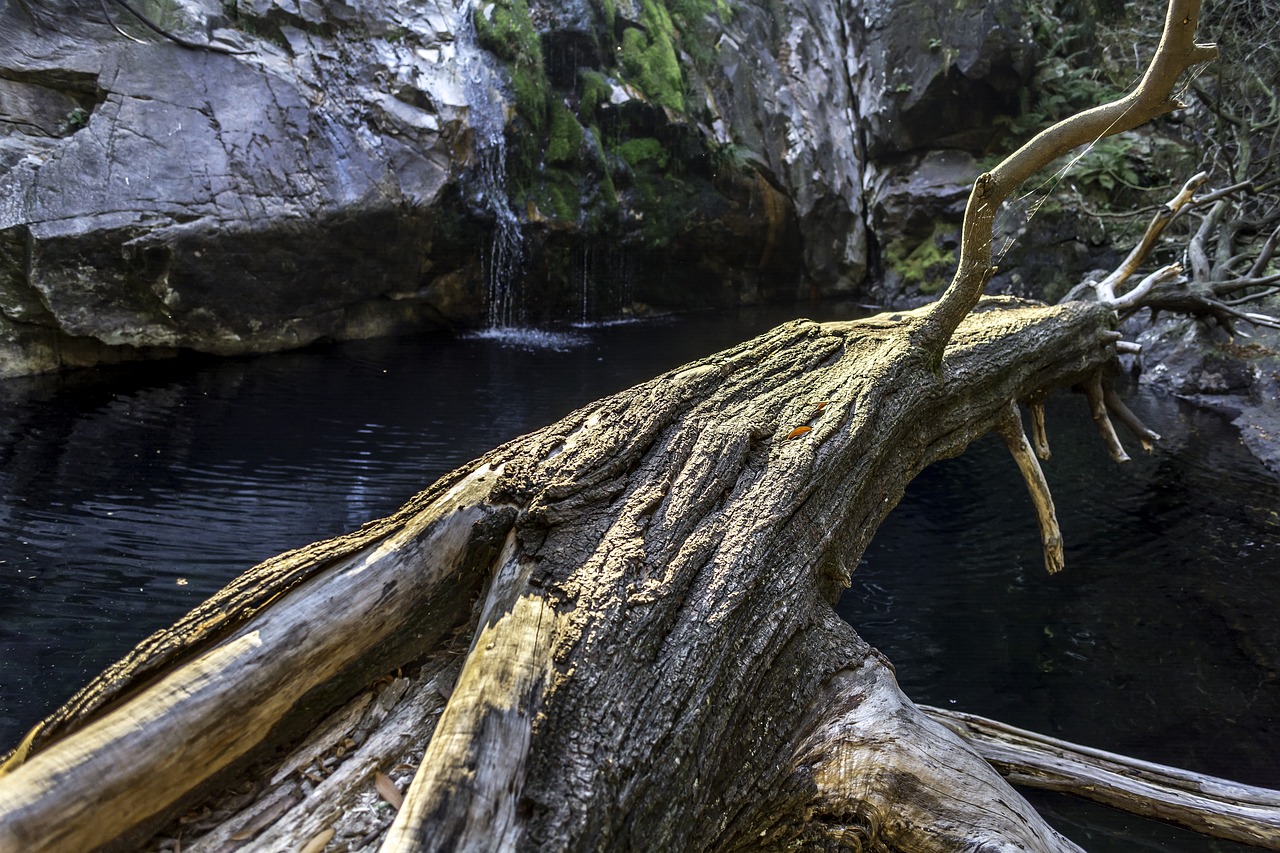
[
  {"x": 616, "y": 632},
  {"x": 1208, "y": 805},
  {"x": 659, "y": 618}
]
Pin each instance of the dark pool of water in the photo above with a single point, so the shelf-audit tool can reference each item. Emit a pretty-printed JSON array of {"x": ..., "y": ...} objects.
[{"x": 129, "y": 495}]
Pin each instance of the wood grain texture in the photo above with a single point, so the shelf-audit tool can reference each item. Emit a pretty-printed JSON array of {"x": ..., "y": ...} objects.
[
  {"x": 128, "y": 765},
  {"x": 1206, "y": 804}
]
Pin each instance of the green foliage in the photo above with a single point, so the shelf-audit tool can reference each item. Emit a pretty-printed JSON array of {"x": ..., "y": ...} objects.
[
  {"x": 1068, "y": 78},
  {"x": 643, "y": 151},
  {"x": 1106, "y": 165},
  {"x": 75, "y": 120},
  {"x": 565, "y": 135}
]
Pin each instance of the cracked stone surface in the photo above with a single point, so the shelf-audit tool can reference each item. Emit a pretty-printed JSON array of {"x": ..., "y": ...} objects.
[
  {"x": 163, "y": 197},
  {"x": 301, "y": 181}
]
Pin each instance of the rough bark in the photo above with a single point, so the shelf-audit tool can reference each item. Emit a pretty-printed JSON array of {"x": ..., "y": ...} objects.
[
  {"x": 644, "y": 592},
  {"x": 668, "y": 552}
]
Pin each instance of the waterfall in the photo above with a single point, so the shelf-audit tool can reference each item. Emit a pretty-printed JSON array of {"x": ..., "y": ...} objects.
[{"x": 503, "y": 257}]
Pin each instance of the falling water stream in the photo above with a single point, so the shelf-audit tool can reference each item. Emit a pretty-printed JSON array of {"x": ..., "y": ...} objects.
[
  {"x": 504, "y": 253},
  {"x": 128, "y": 495}
]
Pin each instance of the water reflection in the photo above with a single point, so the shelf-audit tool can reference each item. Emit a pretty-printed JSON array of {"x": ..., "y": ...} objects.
[
  {"x": 1158, "y": 640},
  {"x": 129, "y": 495}
]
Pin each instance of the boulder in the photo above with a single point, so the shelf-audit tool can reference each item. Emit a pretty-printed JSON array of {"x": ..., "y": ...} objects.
[
  {"x": 226, "y": 203},
  {"x": 1237, "y": 375}
]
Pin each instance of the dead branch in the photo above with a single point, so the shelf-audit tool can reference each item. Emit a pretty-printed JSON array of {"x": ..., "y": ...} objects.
[
  {"x": 1098, "y": 409},
  {"x": 1177, "y": 52},
  {"x": 1205, "y": 804},
  {"x": 1010, "y": 429}
]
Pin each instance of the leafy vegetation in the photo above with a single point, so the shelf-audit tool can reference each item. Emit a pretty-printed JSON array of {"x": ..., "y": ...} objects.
[{"x": 576, "y": 159}]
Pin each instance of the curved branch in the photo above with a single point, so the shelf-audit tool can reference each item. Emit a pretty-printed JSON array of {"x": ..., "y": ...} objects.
[
  {"x": 1164, "y": 215},
  {"x": 1177, "y": 52}
]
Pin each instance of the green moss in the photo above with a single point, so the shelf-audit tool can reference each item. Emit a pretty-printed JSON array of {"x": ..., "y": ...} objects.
[
  {"x": 595, "y": 91},
  {"x": 565, "y": 138},
  {"x": 561, "y": 194},
  {"x": 648, "y": 58},
  {"x": 608, "y": 11},
  {"x": 927, "y": 265},
  {"x": 505, "y": 29},
  {"x": 608, "y": 192},
  {"x": 643, "y": 151}
]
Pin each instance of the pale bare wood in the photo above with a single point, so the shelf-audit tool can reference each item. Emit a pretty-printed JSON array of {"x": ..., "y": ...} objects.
[
  {"x": 481, "y": 744},
  {"x": 1146, "y": 436},
  {"x": 1206, "y": 804},
  {"x": 1039, "y": 435},
  {"x": 1176, "y": 53},
  {"x": 1098, "y": 410},
  {"x": 867, "y": 749},
  {"x": 389, "y": 726},
  {"x": 1010, "y": 429},
  {"x": 131, "y": 764},
  {"x": 1169, "y": 211}
]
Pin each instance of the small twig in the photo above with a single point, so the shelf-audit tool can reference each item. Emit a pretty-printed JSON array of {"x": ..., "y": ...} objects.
[
  {"x": 1222, "y": 288},
  {"x": 1129, "y": 347},
  {"x": 1098, "y": 408},
  {"x": 1039, "y": 436},
  {"x": 1145, "y": 435},
  {"x": 1010, "y": 429},
  {"x": 1217, "y": 195},
  {"x": 1264, "y": 254},
  {"x": 1252, "y": 297}
]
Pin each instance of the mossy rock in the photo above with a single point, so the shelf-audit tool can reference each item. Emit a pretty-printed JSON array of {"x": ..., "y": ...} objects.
[
  {"x": 927, "y": 265},
  {"x": 648, "y": 58},
  {"x": 564, "y": 142}
]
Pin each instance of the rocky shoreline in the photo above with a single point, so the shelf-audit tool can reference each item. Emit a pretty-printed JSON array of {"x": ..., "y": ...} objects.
[{"x": 331, "y": 171}]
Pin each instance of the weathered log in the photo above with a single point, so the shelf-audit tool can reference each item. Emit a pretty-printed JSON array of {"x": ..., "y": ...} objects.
[
  {"x": 671, "y": 549},
  {"x": 1206, "y": 804},
  {"x": 655, "y": 661}
]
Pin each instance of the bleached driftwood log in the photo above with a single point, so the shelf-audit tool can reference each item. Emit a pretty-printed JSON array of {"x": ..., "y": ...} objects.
[{"x": 616, "y": 632}]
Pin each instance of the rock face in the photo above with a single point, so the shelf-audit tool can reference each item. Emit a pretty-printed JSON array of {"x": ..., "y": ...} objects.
[
  {"x": 339, "y": 170},
  {"x": 1239, "y": 376},
  {"x": 224, "y": 203}
]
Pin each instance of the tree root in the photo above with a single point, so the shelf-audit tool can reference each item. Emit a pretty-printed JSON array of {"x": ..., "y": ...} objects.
[{"x": 1211, "y": 806}]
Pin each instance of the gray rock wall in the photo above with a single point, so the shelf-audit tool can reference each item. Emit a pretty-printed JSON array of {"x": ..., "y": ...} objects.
[
  {"x": 223, "y": 203},
  {"x": 314, "y": 177}
]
